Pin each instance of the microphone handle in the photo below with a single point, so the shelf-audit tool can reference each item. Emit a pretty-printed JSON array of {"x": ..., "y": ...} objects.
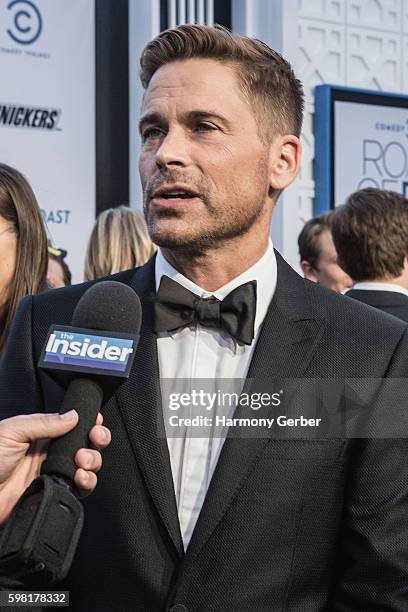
[{"x": 85, "y": 396}]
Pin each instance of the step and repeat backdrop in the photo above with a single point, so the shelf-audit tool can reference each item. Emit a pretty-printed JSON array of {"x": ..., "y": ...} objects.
[{"x": 47, "y": 112}]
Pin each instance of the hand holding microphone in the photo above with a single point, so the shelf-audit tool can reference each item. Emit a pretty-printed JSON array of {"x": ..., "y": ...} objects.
[
  {"x": 24, "y": 441},
  {"x": 91, "y": 359}
]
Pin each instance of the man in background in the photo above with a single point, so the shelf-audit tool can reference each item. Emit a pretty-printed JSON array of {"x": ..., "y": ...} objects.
[
  {"x": 370, "y": 234},
  {"x": 318, "y": 257}
]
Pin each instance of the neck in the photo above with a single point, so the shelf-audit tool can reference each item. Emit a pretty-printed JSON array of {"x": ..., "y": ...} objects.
[{"x": 216, "y": 266}]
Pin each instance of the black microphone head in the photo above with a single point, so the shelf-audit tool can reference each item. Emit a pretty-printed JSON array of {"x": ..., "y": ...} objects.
[
  {"x": 109, "y": 306},
  {"x": 100, "y": 342}
]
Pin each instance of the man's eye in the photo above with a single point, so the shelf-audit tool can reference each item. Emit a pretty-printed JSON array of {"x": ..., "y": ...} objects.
[
  {"x": 151, "y": 133},
  {"x": 205, "y": 127}
]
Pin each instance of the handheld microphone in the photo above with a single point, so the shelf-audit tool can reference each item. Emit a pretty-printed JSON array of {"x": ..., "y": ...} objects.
[{"x": 90, "y": 358}]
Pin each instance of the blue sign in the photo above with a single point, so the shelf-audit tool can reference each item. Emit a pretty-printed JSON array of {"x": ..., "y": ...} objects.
[{"x": 89, "y": 351}]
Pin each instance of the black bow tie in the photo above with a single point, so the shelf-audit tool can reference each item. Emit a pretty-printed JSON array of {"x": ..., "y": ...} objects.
[{"x": 177, "y": 307}]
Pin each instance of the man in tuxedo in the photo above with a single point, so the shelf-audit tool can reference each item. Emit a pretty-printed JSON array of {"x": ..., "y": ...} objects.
[
  {"x": 318, "y": 256},
  {"x": 187, "y": 523},
  {"x": 370, "y": 232}
]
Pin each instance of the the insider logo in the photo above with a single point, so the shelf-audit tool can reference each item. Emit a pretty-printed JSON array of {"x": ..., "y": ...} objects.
[{"x": 16, "y": 115}]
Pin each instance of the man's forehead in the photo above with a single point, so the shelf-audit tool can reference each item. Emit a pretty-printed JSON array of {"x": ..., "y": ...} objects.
[
  {"x": 200, "y": 67},
  {"x": 199, "y": 77}
]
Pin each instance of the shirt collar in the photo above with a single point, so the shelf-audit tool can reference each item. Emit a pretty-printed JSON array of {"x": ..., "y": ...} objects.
[
  {"x": 378, "y": 286},
  {"x": 264, "y": 271}
]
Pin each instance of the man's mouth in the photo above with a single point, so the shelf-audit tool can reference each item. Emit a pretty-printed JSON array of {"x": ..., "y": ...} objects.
[{"x": 172, "y": 194}]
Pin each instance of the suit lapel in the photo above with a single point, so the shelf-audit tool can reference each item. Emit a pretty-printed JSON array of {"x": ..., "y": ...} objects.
[
  {"x": 140, "y": 404},
  {"x": 285, "y": 346}
]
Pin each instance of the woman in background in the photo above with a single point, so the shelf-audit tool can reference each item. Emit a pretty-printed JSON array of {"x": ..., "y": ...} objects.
[
  {"x": 119, "y": 241},
  {"x": 23, "y": 245}
]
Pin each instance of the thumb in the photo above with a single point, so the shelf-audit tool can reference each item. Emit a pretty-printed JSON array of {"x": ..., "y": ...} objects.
[{"x": 27, "y": 428}]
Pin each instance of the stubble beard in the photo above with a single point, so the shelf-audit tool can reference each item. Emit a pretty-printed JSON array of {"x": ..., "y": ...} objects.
[
  {"x": 221, "y": 230},
  {"x": 223, "y": 224}
]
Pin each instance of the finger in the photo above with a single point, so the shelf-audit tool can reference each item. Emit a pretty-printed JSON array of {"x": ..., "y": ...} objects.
[
  {"x": 99, "y": 419},
  {"x": 100, "y": 437},
  {"x": 85, "y": 481},
  {"x": 88, "y": 459},
  {"x": 27, "y": 428}
]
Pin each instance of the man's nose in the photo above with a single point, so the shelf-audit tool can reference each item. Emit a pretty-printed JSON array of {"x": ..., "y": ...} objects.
[{"x": 173, "y": 150}]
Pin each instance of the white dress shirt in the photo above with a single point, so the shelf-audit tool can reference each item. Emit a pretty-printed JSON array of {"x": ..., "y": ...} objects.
[
  {"x": 198, "y": 352},
  {"x": 378, "y": 286}
]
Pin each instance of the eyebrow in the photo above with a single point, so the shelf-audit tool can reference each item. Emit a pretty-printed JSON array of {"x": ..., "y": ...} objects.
[
  {"x": 187, "y": 118},
  {"x": 151, "y": 118}
]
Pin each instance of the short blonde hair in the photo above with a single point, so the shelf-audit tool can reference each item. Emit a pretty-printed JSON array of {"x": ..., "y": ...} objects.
[{"x": 119, "y": 241}]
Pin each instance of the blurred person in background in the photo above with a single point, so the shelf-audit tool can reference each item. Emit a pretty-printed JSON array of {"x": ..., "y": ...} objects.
[
  {"x": 371, "y": 235},
  {"x": 23, "y": 245},
  {"x": 318, "y": 256},
  {"x": 58, "y": 273},
  {"x": 119, "y": 241}
]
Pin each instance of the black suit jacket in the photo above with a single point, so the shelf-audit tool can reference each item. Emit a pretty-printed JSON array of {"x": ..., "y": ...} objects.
[
  {"x": 391, "y": 302},
  {"x": 295, "y": 525}
]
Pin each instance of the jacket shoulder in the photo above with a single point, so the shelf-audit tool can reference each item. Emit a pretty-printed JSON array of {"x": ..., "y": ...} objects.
[
  {"x": 337, "y": 307},
  {"x": 62, "y": 302},
  {"x": 356, "y": 330},
  {"x": 343, "y": 315}
]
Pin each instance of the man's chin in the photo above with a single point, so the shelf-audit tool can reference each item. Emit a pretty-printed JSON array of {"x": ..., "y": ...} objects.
[
  {"x": 172, "y": 241},
  {"x": 183, "y": 242},
  {"x": 171, "y": 233},
  {"x": 180, "y": 237}
]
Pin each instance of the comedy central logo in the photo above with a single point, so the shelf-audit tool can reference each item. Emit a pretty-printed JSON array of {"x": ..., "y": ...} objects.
[
  {"x": 27, "y": 22},
  {"x": 81, "y": 350}
]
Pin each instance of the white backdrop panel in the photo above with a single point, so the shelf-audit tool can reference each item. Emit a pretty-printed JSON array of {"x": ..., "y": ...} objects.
[
  {"x": 47, "y": 62},
  {"x": 379, "y": 155}
]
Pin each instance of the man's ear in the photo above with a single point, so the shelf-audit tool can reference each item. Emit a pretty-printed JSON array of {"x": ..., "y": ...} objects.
[
  {"x": 308, "y": 271},
  {"x": 404, "y": 272},
  {"x": 285, "y": 161}
]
